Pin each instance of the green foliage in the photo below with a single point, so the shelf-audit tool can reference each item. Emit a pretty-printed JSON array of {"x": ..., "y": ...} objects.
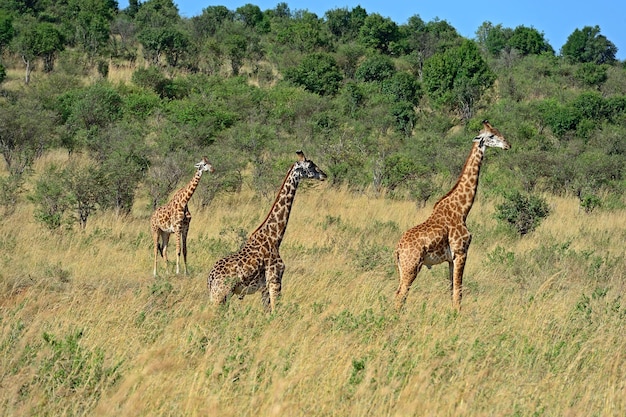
[
  {"x": 591, "y": 75},
  {"x": 529, "y": 41},
  {"x": 94, "y": 107},
  {"x": 25, "y": 133},
  {"x": 402, "y": 86},
  {"x": 70, "y": 368},
  {"x": 379, "y": 33},
  {"x": 457, "y": 78},
  {"x": 375, "y": 69},
  {"x": 50, "y": 198},
  {"x": 523, "y": 212},
  {"x": 7, "y": 31},
  {"x": 152, "y": 78},
  {"x": 38, "y": 40},
  {"x": 140, "y": 105},
  {"x": 317, "y": 73},
  {"x": 493, "y": 38},
  {"x": 10, "y": 189},
  {"x": 588, "y": 45}
]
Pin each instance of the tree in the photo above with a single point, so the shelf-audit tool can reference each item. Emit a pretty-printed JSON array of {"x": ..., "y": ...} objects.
[
  {"x": 83, "y": 185},
  {"x": 37, "y": 40},
  {"x": 51, "y": 198},
  {"x": 403, "y": 86},
  {"x": 317, "y": 73},
  {"x": 493, "y": 38},
  {"x": 457, "y": 78},
  {"x": 422, "y": 40},
  {"x": 345, "y": 24},
  {"x": 588, "y": 45},
  {"x": 210, "y": 21},
  {"x": 6, "y": 29},
  {"x": 305, "y": 32},
  {"x": 249, "y": 14},
  {"x": 590, "y": 74},
  {"x": 529, "y": 41},
  {"x": 92, "y": 25},
  {"x": 375, "y": 68},
  {"x": 25, "y": 132},
  {"x": 156, "y": 20},
  {"x": 379, "y": 33}
]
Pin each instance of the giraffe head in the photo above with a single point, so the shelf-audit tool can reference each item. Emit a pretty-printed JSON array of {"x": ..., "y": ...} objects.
[
  {"x": 204, "y": 165},
  {"x": 305, "y": 168},
  {"x": 491, "y": 137}
]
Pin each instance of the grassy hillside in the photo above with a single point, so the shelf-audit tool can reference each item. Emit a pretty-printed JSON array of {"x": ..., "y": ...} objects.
[{"x": 86, "y": 330}]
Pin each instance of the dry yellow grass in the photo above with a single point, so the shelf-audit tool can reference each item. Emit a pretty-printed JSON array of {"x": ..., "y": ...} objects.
[{"x": 87, "y": 330}]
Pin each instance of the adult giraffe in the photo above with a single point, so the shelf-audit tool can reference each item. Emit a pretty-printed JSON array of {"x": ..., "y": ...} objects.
[
  {"x": 174, "y": 217},
  {"x": 444, "y": 236},
  {"x": 258, "y": 265}
]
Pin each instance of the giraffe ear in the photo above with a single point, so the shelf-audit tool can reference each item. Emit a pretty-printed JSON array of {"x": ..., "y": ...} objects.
[{"x": 477, "y": 139}]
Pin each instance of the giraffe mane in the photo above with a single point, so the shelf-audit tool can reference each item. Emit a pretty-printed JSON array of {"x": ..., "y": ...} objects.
[
  {"x": 275, "y": 199},
  {"x": 458, "y": 180}
]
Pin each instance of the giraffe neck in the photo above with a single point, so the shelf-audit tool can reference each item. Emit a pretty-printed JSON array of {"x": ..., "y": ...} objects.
[
  {"x": 273, "y": 227},
  {"x": 461, "y": 197},
  {"x": 182, "y": 196}
]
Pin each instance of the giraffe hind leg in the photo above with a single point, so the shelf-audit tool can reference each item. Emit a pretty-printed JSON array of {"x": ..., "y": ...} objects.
[{"x": 408, "y": 272}]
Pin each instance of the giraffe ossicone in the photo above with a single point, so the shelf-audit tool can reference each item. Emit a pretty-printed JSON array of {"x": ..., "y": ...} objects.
[
  {"x": 174, "y": 217},
  {"x": 258, "y": 265},
  {"x": 444, "y": 236}
]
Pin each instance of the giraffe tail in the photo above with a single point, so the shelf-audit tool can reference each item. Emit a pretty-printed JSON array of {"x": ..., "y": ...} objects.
[{"x": 160, "y": 249}]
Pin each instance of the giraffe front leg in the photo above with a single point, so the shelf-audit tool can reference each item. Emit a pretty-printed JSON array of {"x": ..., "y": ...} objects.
[
  {"x": 184, "y": 231},
  {"x": 457, "y": 268},
  {"x": 157, "y": 249},
  {"x": 274, "y": 278},
  {"x": 178, "y": 239}
]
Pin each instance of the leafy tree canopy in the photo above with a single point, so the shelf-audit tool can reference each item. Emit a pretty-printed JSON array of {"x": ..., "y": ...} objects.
[{"x": 588, "y": 45}]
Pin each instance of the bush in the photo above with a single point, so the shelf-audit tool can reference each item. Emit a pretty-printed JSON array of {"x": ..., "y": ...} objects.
[
  {"x": 523, "y": 212},
  {"x": 375, "y": 69},
  {"x": 317, "y": 73}
]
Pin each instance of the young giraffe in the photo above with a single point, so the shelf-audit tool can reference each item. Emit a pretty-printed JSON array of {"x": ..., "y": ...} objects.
[
  {"x": 444, "y": 237},
  {"x": 174, "y": 217},
  {"x": 258, "y": 265}
]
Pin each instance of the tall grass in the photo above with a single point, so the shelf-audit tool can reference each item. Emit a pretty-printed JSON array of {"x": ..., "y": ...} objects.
[{"x": 87, "y": 330}]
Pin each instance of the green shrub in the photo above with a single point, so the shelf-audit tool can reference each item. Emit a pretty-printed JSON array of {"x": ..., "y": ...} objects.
[{"x": 523, "y": 212}]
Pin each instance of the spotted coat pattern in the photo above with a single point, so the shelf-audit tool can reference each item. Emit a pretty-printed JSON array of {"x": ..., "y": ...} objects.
[
  {"x": 444, "y": 236},
  {"x": 174, "y": 217},
  {"x": 257, "y": 266}
]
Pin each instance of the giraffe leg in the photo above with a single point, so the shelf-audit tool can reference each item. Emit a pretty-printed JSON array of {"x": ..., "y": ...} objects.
[
  {"x": 274, "y": 278},
  {"x": 177, "y": 235},
  {"x": 184, "y": 244},
  {"x": 183, "y": 234},
  {"x": 457, "y": 279},
  {"x": 165, "y": 238},
  {"x": 157, "y": 249},
  {"x": 408, "y": 271}
]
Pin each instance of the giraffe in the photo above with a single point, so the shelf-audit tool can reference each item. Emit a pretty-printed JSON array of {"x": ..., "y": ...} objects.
[
  {"x": 174, "y": 217},
  {"x": 444, "y": 236},
  {"x": 258, "y": 265}
]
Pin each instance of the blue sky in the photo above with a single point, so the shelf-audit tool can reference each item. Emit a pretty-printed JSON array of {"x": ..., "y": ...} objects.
[{"x": 556, "y": 19}]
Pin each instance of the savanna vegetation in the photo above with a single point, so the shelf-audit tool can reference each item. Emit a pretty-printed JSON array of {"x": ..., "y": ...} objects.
[{"x": 103, "y": 113}]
